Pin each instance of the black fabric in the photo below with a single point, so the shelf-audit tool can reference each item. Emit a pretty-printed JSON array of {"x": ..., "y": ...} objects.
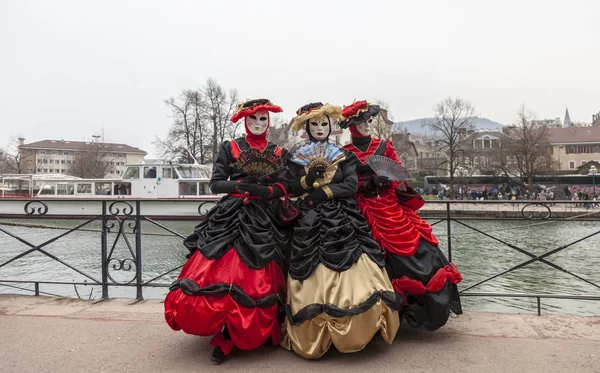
[
  {"x": 428, "y": 311},
  {"x": 255, "y": 229},
  {"x": 315, "y": 197},
  {"x": 390, "y": 298},
  {"x": 224, "y": 176},
  {"x": 190, "y": 287},
  {"x": 334, "y": 232}
]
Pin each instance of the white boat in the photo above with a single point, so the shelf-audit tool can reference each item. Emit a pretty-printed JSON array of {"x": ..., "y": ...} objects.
[{"x": 162, "y": 188}]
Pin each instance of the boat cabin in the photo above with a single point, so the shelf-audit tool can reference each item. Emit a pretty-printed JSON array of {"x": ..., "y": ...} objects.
[{"x": 152, "y": 181}]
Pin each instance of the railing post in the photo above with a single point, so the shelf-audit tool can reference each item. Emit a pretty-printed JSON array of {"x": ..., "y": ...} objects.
[
  {"x": 104, "y": 249},
  {"x": 449, "y": 231},
  {"x": 37, "y": 288},
  {"x": 539, "y": 306},
  {"x": 138, "y": 251}
]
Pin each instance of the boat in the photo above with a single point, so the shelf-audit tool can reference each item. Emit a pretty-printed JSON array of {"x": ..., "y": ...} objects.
[{"x": 161, "y": 188}]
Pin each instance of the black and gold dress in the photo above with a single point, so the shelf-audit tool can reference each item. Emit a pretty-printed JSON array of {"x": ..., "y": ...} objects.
[{"x": 338, "y": 290}]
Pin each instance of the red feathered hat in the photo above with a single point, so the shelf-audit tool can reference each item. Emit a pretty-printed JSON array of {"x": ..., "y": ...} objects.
[
  {"x": 252, "y": 107},
  {"x": 357, "y": 113}
]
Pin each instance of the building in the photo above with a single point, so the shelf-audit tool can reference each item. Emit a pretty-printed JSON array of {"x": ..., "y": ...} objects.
[
  {"x": 567, "y": 122},
  {"x": 596, "y": 119},
  {"x": 56, "y": 156},
  {"x": 574, "y": 146},
  {"x": 482, "y": 151}
]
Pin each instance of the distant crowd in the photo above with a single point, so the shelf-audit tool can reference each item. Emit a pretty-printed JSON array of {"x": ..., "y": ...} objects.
[{"x": 486, "y": 192}]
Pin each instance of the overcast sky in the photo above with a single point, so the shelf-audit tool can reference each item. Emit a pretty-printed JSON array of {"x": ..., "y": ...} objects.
[{"x": 67, "y": 68}]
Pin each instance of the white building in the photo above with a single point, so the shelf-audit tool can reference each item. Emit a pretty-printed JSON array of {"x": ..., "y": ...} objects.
[{"x": 56, "y": 156}]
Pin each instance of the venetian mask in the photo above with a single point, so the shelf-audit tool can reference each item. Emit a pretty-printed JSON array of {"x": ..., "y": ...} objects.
[
  {"x": 258, "y": 122},
  {"x": 319, "y": 127},
  {"x": 365, "y": 127}
]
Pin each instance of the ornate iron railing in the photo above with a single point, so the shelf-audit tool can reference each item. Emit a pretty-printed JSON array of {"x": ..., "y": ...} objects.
[{"x": 121, "y": 223}]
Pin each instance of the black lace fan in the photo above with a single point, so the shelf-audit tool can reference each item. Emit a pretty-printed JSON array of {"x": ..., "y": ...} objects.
[
  {"x": 255, "y": 162},
  {"x": 384, "y": 166}
]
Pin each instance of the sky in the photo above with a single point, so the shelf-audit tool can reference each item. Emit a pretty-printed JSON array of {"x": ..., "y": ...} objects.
[{"x": 70, "y": 69}]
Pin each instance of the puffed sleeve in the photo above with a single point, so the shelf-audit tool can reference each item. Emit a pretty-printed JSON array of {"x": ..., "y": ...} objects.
[
  {"x": 348, "y": 186},
  {"x": 220, "y": 183}
]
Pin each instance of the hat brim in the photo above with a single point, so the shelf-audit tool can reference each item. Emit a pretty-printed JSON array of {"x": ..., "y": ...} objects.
[
  {"x": 331, "y": 111},
  {"x": 255, "y": 109},
  {"x": 361, "y": 117}
]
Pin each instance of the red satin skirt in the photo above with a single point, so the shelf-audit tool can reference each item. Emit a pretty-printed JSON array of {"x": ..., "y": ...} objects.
[
  {"x": 396, "y": 228},
  {"x": 205, "y": 315}
]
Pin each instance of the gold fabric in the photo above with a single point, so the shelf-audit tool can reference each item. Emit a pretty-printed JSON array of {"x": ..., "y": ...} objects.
[
  {"x": 303, "y": 183},
  {"x": 347, "y": 290},
  {"x": 328, "y": 191},
  {"x": 329, "y": 172}
]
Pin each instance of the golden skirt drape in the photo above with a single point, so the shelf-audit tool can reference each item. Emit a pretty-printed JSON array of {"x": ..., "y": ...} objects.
[{"x": 347, "y": 290}]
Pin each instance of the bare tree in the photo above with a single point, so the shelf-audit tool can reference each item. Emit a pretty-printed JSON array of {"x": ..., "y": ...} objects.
[
  {"x": 12, "y": 159},
  {"x": 280, "y": 132},
  {"x": 201, "y": 121},
  {"x": 218, "y": 108},
  {"x": 453, "y": 120},
  {"x": 189, "y": 130},
  {"x": 90, "y": 163},
  {"x": 382, "y": 126},
  {"x": 406, "y": 149},
  {"x": 526, "y": 152}
]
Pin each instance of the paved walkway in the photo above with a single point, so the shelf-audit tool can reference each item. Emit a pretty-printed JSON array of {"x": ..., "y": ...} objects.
[{"x": 45, "y": 334}]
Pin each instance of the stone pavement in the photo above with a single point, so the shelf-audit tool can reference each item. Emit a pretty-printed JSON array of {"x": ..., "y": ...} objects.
[{"x": 46, "y": 334}]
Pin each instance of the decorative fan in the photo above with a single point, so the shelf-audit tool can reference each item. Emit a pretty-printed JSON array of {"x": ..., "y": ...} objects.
[
  {"x": 255, "y": 162},
  {"x": 314, "y": 154},
  {"x": 384, "y": 166}
]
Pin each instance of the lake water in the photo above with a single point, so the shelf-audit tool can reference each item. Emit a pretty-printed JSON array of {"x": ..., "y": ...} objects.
[{"x": 476, "y": 256}]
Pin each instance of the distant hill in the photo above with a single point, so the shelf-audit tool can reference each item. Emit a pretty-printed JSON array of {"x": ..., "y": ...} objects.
[{"x": 417, "y": 126}]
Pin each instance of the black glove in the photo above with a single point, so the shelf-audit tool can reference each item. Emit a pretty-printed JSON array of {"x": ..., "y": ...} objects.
[
  {"x": 254, "y": 190},
  {"x": 382, "y": 183},
  {"x": 313, "y": 174},
  {"x": 315, "y": 197}
]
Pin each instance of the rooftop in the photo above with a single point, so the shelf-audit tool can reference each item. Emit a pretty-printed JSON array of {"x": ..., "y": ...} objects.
[
  {"x": 81, "y": 145},
  {"x": 570, "y": 135}
]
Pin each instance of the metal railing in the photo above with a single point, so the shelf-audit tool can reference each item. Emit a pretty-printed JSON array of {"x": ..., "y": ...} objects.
[{"x": 121, "y": 223}]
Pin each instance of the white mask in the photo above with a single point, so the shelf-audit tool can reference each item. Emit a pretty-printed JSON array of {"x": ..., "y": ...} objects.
[
  {"x": 258, "y": 122},
  {"x": 365, "y": 127},
  {"x": 319, "y": 127}
]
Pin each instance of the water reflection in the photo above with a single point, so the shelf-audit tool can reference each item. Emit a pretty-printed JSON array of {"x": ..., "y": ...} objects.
[{"x": 478, "y": 257}]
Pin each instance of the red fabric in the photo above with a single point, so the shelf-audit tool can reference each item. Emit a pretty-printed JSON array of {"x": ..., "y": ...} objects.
[
  {"x": 436, "y": 283},
  {"x": 253, "y": 110},
  {"x": 375, "y": 142},
  {"x": 235, "y": 150},
  {"x": 206, "y": 315},
  {"x": 354, "y": 109},
  {"x": 219, "y": 341},
  {"x": 396, "y": 228},
  {"x": 390, "y": 226},
  {"x": 354, "y": 132}
]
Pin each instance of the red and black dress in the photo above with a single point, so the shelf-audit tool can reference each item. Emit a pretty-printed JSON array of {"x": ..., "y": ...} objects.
[
  {"x": 417, "y": 267},
  {"x": 233, "y": 285}
]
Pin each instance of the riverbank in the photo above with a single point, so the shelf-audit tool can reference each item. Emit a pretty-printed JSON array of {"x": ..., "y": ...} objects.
[{"x": 48, "y": 334}]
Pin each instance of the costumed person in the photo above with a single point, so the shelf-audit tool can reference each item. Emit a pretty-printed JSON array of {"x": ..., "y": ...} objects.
[
  {"x": 417, "y": 267},
  {"x": 338, "y": 289},
  {"x": 233, "y": 285}
]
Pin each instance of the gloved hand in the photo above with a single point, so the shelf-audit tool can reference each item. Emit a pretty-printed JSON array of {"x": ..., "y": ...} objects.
[
  {"x": 409, "y": 197},
  {"x": 315, "y": 197},
  {"x": 382, "y": 183},
  {"x": 313, "y": 174},
  {"x": 255, "y": 190}
]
